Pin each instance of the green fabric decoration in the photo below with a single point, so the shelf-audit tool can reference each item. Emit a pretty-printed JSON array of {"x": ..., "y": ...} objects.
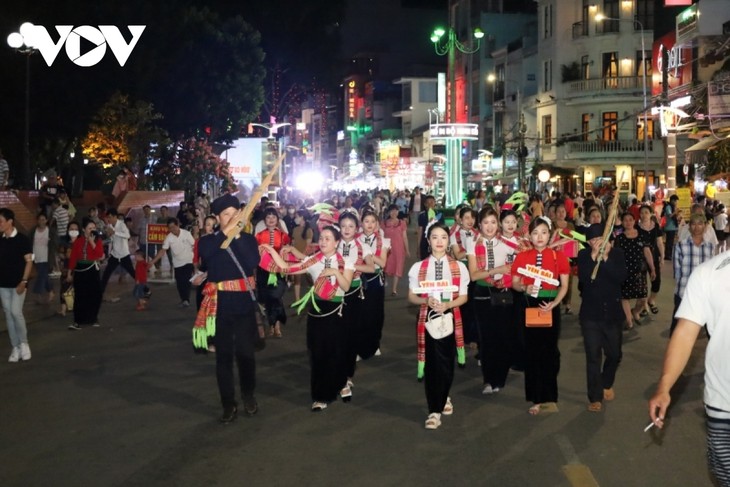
[
  {"x": 431, "y": 214},
  {"x": 272, "y": 279},
  {"x": 302, "y": 303},
  {"x": 460, "y": 355},
  {"x": 200, "y": 338},
  {"x": 421, "y": 370}
]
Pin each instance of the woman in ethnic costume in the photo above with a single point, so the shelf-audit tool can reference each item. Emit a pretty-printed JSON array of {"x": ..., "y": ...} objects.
[
  {"x": 459, "y": 240},
  {"x": 360, "y": 258},
  {"x": 326, "y": 332},
  {"x": 373, "y": 316},
  {"x": 543, "y": 356},
  {"x": 271, "y": 285},
  {"x": 490, "y": 259},
  {"x": 83, "y": 270},
  {"x": 436, "y": 356}
]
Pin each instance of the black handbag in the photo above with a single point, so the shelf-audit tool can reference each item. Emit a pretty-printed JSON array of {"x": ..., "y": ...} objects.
[{"x": 501, "y": 298}]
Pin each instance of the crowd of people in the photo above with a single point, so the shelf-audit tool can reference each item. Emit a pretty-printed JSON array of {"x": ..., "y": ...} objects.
[{"x": 498, "y": 280}]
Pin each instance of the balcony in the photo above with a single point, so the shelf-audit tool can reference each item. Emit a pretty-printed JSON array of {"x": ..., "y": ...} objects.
[
  {"x": 623, "y": 149},
  {"x": 620, "y": 83},
  {"x": 580, "y": 29}
]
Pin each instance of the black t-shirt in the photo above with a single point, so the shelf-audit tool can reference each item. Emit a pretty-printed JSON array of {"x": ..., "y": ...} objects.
[{"x": 12, "y": 264}]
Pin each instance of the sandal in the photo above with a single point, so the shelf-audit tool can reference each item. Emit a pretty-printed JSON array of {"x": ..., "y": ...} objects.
[
  {"x": 653, "y": 307},
  {"x": 534, "y": 410},
  {"x": 608, "y": 394},
  {"x": 448, "y": 408},
  {"x": 319, "y": 406},
  {"x": 595, "y": 407},
  {"x": 346, "y": 394},
  {"x": 433, "y": 421}
]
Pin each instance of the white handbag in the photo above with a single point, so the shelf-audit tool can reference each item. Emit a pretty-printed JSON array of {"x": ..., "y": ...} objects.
[{"x": 439, "y": 325}]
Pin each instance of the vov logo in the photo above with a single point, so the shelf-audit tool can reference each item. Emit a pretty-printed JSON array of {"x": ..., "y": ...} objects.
[{"x": 99, "y": 38}]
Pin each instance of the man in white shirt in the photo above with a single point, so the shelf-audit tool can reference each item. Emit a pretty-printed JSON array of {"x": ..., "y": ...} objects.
[
  {"x": 118, "y": 232},
  {"x": 179, "y": 242},
  {"x": 704, "y": 303}
]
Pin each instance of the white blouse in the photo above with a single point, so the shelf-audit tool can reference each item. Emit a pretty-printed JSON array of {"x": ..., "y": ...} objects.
[{"x": 413, "y": 281}]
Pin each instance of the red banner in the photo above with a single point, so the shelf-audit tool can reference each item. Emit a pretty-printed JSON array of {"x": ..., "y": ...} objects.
[{"x": 156, "y": 233}]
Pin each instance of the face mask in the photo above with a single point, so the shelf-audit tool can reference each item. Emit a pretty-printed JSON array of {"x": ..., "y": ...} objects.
[{"x": 73, "y": 233}]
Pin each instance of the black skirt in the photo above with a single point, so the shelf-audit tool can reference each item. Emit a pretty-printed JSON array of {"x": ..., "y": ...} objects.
[{"x": 87, "y": 295}]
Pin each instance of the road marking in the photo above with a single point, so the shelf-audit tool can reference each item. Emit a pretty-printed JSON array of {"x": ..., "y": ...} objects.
[{"x": 578, "y": 475}]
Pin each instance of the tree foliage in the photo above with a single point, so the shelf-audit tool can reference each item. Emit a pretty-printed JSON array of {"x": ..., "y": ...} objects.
[
  {"x": 191, "y": 165},
  {"x": 718, "y": 160},
  {"x": 123, "y": 133}
]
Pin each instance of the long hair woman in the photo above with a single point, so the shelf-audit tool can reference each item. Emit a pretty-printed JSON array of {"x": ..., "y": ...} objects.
[
  {"x": 647, "y": 222},
  {"x": 272, "y": 286},
  {"x": 489, "y": 260},
  {"x": 541, "y": 343},
  {"x": 436, "y": 355},
  {"x": 373, "y": 316},
  {"x": 326, "y": 333},
  {"x": 86, "y": 253}
]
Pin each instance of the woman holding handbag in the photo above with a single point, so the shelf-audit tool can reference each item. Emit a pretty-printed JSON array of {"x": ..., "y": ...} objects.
[
  {"x": 83, "y": 271},
  {"x": 64, "y": 251},
  {"x": 438, "y": 343},
  {"x": 489, "y": 260},
  {"x": 542, "y": 299}
]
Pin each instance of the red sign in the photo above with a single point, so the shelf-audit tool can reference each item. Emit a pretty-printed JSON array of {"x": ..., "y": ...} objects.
[
  {"x": 156, "y": 233},
  {"x": 679, "y": 63}
]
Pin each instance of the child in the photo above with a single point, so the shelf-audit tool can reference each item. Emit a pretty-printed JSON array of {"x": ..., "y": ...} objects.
[{"x": 140, "y": 280}]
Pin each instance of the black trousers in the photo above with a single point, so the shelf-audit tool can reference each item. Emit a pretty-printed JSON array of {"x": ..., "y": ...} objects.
[
  {"x": 495, "y": 337},
  {"x": 87, "y": 298},
  {"x": 111, "y": 264},
  {"x": 351, "y": 320},
  {"x": 439, "y": 371},
  {"x": 469, "y": 317},
  {"x": 669, "y": 243},
  {"x": 601, "y": 338},
  {"x": 272, "y": 297},
  {"x": 370, "y": 329},
  {"x": 326, "y": 344},
  {"x": 235, "y": 336},
  {"x": 182, "y": 281},
  {"x": 543, "y": 358}
]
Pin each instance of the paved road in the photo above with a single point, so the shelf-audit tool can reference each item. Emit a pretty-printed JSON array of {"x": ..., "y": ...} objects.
[{"x": 129, "y": 404}]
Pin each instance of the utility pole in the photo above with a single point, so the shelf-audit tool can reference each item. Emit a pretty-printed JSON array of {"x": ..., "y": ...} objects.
[{"x": 521, "y": 153}]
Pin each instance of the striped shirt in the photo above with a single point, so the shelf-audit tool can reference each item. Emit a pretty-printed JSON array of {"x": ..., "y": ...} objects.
[
  {"x": 685, "y": 258},
  {"x": 60, "y": 215}
]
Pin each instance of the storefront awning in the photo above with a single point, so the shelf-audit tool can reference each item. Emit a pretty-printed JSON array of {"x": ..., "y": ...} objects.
[{"x": 706, "y": 143}]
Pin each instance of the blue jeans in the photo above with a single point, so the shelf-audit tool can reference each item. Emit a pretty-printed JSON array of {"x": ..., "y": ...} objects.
[
  {"x": 13, "y": 306},
  {"x": 42, "y": 282}
]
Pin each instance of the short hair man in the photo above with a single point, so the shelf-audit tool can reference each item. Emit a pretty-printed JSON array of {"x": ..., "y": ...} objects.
[
  {"x": 15, "y": 265},
  {"x": 179, "y": 243}
]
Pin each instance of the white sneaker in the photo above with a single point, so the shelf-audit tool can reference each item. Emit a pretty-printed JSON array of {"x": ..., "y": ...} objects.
[
  {"x": 377, "y": 353},
  {"x": 14, "y": 355},
  {"x": 358, "y": 359},
  {"x": 24, "y": 351},
  {"x": 448, "y": 408}
]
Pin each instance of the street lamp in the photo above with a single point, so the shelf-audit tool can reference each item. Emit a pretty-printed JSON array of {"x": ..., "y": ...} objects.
[
  {"x": 445, "y": 42},
  {"x": 24, "y": 43},
  {"x": 600, "y": 17}
]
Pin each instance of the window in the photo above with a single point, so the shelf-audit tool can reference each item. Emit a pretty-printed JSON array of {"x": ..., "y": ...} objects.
[
  {"x": 498, "y": 131},
  {"x": 609, "y": 67},
  {"x": 547, "y": 129},
  {"x": 640, "y": 128},
  {"x": 611, "y": 11},
  {"x": 427, "y": 92},
  {"x": 406, "y": 96},
  {"x": 585, "y": 126},
  {"x": 547, "y": 75},
  {"x": 547, "y": 21},
  {"x": 647, "y": 65},
  {"x": 645, "y": 14},
  {"x": 585, "y": 67},
  {"x": 610, "y": 126}
]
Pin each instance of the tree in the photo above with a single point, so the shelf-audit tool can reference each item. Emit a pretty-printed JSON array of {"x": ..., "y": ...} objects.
[
  {"x": 718, "y": 160},
  {"x": 191, "y": 165},
  {"x": 209, "y": 75},
  {"x": 123, "y": 133}
]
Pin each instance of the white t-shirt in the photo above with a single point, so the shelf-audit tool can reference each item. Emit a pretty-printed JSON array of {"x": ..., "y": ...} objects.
[
  {"x": 705, "y": 301},
  {"x": 181, "y": 247},
  {"x": 721, "y": 221},
  {"x": 446, "y": 274},
  {"x": 417, "y": 203},
  {"x": 40, "y": 245},
  {"x": 120, "y": 240}
]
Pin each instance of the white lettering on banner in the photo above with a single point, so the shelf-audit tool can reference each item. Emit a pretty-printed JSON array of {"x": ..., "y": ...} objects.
[
  {"x": 454, "y": 131},
  {"x": 100, "y": 37}
]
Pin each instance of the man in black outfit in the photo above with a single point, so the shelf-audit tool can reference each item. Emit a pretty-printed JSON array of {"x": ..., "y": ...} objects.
[
  {"x": 236, "y": 331},
  {"x": 601, "y": 315}
]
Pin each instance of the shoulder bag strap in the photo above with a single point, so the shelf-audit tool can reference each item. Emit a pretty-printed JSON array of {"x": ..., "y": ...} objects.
[{"x": 243, "y": 273}]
